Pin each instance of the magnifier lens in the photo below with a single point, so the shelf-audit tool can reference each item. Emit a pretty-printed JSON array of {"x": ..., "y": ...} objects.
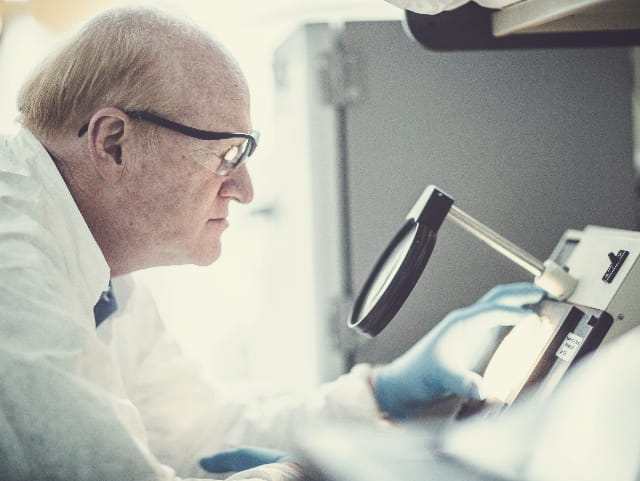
[
  {"x": 388, "y": 271},
  {"x": 400, "y": 265},
  {"x": 392, "y": 279}
]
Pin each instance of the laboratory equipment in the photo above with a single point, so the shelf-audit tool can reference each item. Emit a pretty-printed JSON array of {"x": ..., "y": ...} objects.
[
  {"x": 591, "y": 277},
  {"x": 444, "y": 106}
]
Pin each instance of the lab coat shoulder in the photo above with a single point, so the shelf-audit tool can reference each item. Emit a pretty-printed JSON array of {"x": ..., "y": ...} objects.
[
  {"x": 35, "y": 292},
  {"x": 25, "y": 238}
]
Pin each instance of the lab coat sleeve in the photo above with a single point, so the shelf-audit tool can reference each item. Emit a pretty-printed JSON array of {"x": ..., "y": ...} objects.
[{"x": 186, "y": 418}]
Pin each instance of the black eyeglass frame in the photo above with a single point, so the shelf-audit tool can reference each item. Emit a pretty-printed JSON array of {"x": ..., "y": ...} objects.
[{"x": 252, "y": 138}]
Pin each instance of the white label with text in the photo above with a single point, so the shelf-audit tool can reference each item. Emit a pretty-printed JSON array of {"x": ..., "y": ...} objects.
[{"x": 569, "y": 347}]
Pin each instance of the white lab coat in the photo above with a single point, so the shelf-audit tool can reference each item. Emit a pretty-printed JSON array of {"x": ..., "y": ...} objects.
[{"x": 120, "y": 402}]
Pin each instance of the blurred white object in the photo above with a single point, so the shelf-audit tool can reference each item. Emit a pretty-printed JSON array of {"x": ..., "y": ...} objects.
[
  {"x": 432, "y": 7},
  {"x": 511, "y": 364},
  {"x": 429, "y": 7},
  {"x": 588, "y": 429}
]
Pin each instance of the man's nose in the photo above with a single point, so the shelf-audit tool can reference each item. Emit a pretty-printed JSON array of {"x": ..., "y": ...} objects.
[{"x": 238, "y": 185}]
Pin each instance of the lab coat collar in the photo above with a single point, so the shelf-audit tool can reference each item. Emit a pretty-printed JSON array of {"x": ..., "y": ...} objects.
[{"x": 81, "y": 250}]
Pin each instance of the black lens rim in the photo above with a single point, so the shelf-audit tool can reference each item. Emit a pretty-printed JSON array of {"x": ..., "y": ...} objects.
[{"x": 403, "y": 282}]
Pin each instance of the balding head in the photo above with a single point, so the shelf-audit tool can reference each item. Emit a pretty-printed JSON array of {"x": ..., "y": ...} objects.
[
  {"x": 128, "y": 58},
  {"x": 148, "y": 193}
]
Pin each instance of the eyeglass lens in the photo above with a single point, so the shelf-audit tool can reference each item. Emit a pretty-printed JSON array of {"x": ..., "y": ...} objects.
[{"x": 233, "y": 157}]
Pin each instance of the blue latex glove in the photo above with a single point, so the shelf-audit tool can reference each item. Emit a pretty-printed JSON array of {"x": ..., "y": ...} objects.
[
  {"x": 243, "y": 458},
  {"x": 441, "y": 363}
]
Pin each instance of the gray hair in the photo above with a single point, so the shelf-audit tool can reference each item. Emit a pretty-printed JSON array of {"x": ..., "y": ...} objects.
[{"x": 121, "y": 58}]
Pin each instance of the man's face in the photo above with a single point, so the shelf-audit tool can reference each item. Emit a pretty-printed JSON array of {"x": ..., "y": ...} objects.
[{"x": 183, "y": 206}]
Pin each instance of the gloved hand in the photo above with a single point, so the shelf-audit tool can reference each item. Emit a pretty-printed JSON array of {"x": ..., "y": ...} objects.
[
  {"x": 251, "y": 462},
  {"x": 441, "y": 363}
]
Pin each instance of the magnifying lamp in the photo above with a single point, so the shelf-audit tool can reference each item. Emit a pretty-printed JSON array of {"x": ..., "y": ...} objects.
[{"x": 398, "y": 269}]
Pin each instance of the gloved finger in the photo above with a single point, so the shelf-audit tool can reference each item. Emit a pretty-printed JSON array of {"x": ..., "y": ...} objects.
[
  {"x": 246, "y": 457},
  {"x": 270, "y": 472},
  {"x": 514, "y": 294}
]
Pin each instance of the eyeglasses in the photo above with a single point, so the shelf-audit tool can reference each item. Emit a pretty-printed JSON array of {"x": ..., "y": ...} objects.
[{"x": 225, "y": 163}]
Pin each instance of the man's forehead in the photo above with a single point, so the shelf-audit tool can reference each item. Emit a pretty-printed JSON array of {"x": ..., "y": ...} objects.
[
  {"x": 209, "y": 108},
  {"x": 210, "y": 64},
  {"x": 211, "y": 91}
]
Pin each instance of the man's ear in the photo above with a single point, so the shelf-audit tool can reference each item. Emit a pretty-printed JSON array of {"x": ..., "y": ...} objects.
[{"x": 109, "y": 132}]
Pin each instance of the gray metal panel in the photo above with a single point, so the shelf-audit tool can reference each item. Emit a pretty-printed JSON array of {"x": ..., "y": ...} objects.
[
  {"x": 528, "y": 142},
  {"x": 306, "y": 239}
]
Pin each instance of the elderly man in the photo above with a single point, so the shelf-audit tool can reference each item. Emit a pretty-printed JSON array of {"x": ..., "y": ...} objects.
[{"x": 135, "y": 133}]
